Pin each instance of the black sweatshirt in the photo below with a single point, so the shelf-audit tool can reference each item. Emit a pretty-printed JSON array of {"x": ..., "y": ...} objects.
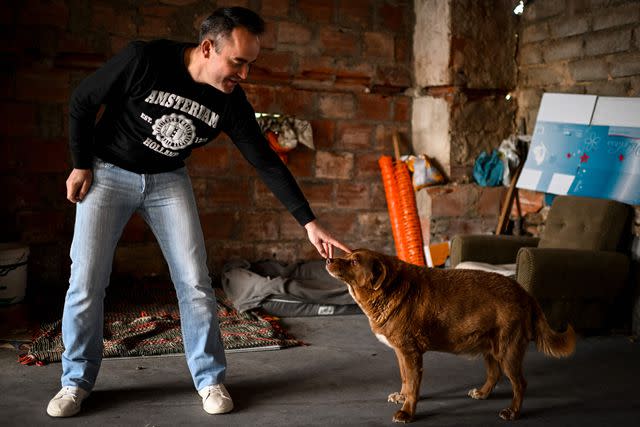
[{"x": 155, "y": 114}]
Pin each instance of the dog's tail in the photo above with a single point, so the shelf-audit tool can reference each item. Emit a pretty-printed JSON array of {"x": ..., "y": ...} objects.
[{"x": 550, "y": 342}]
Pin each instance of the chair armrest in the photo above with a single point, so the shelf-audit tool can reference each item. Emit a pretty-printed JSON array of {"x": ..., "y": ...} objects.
[
  {"x": 488, "y": 248},
  {"x": 571, "y": 273}
]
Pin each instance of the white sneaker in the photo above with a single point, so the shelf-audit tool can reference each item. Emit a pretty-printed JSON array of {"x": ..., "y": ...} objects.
[
  {"x": 216, "y": 399},
  {"x": 67, "y": 402}
]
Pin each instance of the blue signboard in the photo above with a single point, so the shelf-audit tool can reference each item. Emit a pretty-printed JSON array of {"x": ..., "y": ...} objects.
[{"x": 584, "y": 160}]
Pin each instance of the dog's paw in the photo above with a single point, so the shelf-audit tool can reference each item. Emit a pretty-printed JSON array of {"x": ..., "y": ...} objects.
[
  {"x": 396, "y": 398},
  {"x": 477, "y": 394},
  {"x": 402, "y": 417},
  {"x": 508, "y": 414}
]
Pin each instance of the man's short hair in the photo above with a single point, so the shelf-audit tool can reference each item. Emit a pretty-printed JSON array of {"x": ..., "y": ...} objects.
[{"x": 222, "y": 21}]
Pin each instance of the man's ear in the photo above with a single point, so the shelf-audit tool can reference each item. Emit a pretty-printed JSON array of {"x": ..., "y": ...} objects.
[{"x": 379, "y": 273}]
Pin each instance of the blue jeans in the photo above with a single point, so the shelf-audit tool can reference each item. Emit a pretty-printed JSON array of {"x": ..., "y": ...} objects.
[{"x": 167, "y": 204}]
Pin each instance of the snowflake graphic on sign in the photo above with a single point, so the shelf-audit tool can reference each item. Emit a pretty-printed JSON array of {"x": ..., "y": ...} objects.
[{"x": 591, "y": 142}]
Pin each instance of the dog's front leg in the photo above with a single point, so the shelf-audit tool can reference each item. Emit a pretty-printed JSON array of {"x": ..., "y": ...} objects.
[
  {"x": 411, "y": 371},
  {"x": 399, "y": 397}
]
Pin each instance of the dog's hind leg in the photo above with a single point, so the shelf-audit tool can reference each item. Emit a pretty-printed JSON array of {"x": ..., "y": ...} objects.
[
  {"x": 512, "y": 368},
  {"x": 411, "y": 371},
  {"x": 493, "y": 375}
]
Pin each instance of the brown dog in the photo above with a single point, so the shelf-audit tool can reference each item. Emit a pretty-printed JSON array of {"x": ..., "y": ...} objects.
[{"x": 415, "y": 309}]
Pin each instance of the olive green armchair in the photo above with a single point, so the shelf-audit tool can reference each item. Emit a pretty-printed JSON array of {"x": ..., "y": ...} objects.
[{"x": 576, "y": 269}]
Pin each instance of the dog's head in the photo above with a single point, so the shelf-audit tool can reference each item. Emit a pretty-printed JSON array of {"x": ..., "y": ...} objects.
[{"x": 363, "y": 270}]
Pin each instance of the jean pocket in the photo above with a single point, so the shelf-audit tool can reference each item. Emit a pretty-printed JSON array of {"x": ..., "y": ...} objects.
[{"x": 99, "y": 163}]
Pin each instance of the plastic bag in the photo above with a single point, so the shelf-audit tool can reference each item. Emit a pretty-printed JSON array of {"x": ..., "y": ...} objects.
[
  {"x": 424, "y": 172},
  {"x": 510, "y": 158},
  {"x": 488, "y": 169}
]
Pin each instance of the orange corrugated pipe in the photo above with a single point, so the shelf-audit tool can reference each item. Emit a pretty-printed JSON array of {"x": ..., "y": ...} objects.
[{"x": 403, "y": 212}]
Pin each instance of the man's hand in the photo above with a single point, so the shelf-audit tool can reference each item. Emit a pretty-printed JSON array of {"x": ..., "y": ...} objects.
[
  {"x": 78, "y": 184},
  {"x": 322, "y": 240}
]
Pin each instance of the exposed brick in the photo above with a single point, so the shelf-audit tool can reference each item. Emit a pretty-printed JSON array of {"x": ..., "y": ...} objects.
[
  {"x": 615, "y": 87},
  {"x": 530, "y": 202},
  {"x": 339, "y": 42},
  {"x": 355, "y": 13},
  {"x": 393, "y": 17},
  {"x": 318, "y": 193},
  {"x": 276, "y": 8},
  {"x": 259, "y": 226},
  {"x": 334, "y": 165},
  {"x": 543, "y": 9},
  {"x": 18, "y": 119},
  {"x": 290, "y": 229},
  {"x": 366, "y": 165},
  {"x": 354, "y": 136},
  {"x": 375, "y": 224},
  {"x": 393, "y": 76},
  {"x": 300, "y": 161},
  {"x": 608, "y": 42},
  {"x": 289, "y": 32},
  {"x": 43, "y": 85},
  {"x": 212, "y": 159},
  {"x": 272, "y": 64},
  {"x": 336, "y": 105},
  {"x": 402, "y": 49},
  {"x": 111, "y": 18},
  {"x": 566, "y": 26},
  {"x": 457, "y": 201},
  {"x": 489, "y": 201},
  {"x": 41, "y": 226},
  {"x": 229, "y": 191},
  {"x": 268, "y": 40},
  {"x": 136, "y": 231},
  {"x": 625, "y": 65},
  {"x": 530, "y": 54},
  {"x": 261, "y": 97},
  {"x": 239, "y": 165},
  {"x": 402, "y": 109},
  {"x": 378, "y": 45},
  {"x": 53, "y": 13},
  {"x": 220, "y": 225},
  {"x": 317, "y": 67},
  {"x": 283, "y": 252},
  {"x": 373, "y": 107},
  {"x": 542, "y": 75},
  {"x": 563, "y": 49},
  {"x": 589, "y": 69},
  {"x": 320, "y": 11},
  {"x": 352, "y": 195},
  {"x": 148, "y": 257},
  {"x": 264, "y": 198},
  {"x": 617, "y": 16},
  {"x": 36, "y": 155},
  {"x": 323, "y": 133},
  {"x": 535, "y": 32},
  {"x": 155, "y": 27},
  {"x": 384, "y": 138},
  {"x": 341, "y": 223},
  {"x": 295, "y": 102}
]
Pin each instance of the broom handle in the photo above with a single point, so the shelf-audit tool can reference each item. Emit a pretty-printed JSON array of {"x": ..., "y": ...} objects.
[{"x": 396, "y": 146}]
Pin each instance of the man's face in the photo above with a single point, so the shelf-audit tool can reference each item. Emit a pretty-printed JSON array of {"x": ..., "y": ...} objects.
[{"x": 229, "y": 67}]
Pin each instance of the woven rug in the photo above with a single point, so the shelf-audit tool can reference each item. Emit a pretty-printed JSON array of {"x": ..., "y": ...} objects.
[{"x": 143, "y": 320}]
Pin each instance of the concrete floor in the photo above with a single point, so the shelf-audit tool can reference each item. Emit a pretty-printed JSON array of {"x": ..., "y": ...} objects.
[{"x": 342, "y": 377}]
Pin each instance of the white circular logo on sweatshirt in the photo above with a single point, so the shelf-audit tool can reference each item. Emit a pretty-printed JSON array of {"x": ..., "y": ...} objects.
[{"x": 174, "y": 131}]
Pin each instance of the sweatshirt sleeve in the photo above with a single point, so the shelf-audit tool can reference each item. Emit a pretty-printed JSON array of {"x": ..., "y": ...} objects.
[
  {"x": 244, "y": 131},
  {"x": 107, "y": 84}
]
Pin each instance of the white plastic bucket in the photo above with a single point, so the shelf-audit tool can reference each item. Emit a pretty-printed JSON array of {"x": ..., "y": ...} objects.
[{"x": 13, "y": 272}]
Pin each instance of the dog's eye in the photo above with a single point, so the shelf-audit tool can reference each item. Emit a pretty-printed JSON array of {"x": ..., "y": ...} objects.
[{"x": 354, "y": 262}]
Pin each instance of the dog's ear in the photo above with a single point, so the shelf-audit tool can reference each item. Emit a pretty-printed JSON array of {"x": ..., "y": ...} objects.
[{"x": 378, "y": 272}]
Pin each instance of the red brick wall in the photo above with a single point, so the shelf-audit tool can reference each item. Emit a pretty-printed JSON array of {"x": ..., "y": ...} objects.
[{"x": 342, "y": 65}]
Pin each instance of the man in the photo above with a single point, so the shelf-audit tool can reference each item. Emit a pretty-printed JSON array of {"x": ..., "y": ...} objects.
[{"x": 162, "y": 99}]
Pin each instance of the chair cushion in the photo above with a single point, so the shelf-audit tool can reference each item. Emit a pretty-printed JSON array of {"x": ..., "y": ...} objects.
[{"x": 584, "y": 223}]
